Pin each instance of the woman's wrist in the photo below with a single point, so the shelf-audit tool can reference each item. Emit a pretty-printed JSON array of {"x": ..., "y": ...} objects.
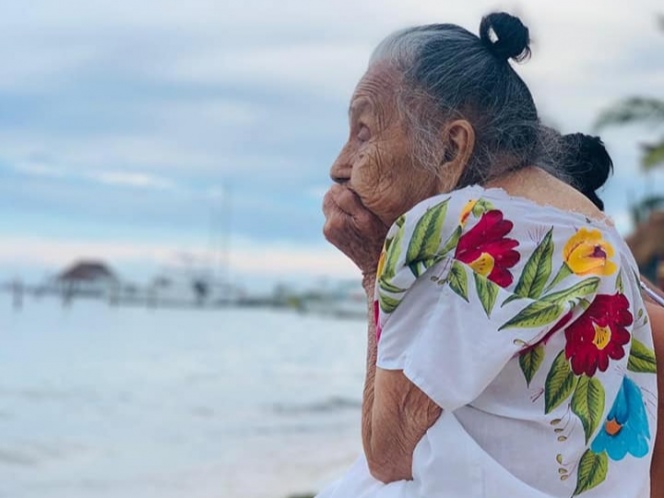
[{"x": 369, "y": 283}]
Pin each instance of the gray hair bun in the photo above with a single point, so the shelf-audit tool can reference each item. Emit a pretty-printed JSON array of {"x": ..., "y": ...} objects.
[{"x": 505, "y": 36}]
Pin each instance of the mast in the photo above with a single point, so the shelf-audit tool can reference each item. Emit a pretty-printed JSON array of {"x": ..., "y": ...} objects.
[{"x": 225, "y": 235}]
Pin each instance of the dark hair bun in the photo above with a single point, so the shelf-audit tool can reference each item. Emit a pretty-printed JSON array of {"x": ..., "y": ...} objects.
[
  {"x": 505, "y": 36},
  {"x": 590, "y": 163}
]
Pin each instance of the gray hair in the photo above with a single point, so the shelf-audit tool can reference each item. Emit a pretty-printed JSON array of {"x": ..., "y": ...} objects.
[
  {"x": 552, "y": 153},
  {"x": 449, "y": 73}
]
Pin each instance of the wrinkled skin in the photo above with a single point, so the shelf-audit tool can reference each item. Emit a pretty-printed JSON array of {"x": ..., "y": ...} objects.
[
  {"x": 375, "y": 178},
  {"x": 376, "y": 181}
]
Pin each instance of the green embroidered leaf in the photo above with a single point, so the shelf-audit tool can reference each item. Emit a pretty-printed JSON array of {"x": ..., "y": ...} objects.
[
  {"x": 592, "y": 471},
  {"x": 637, "y": 278},
  {"x": 584, "y": 303},
  {"x": 458, "y": 280},
  {"x": 535, "y": 315},
  {"x": 530, "y": 361},
  {"x": 393, "y": 247},
  {"x": 583, "y": 288},
  {"x": 537, "y": 270},
  {"x": 513, "y": 297},
  {"x": 588, "y": 403},
  {"x": 418, "y": 268},
  {"x": 487, "y": 291},
  {"x": 641, "y": 358},
  {"x": 425, "y": 240},
  {"x": 452, "y": 242},
  {"x": 548, "y": 308},
  {"x": 385, "y": 285},
  {"x": 387, "y": 304},
  {"x": 562, "y": 274},
  {"x": 481, "y": 207},
  {"x": 619, "y": 283},
  {"x": 560, "y": 382}
]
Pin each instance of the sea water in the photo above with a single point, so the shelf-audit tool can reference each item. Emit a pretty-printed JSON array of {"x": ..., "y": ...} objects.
[{"x": 99, "y": 401}]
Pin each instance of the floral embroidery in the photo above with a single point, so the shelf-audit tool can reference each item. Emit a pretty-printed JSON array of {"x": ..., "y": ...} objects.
[
  {"x": 599, "y": 334},
  {"x": 626, "y": 428},
  {"x": 376, "y": 309},
  {"x": 465, "y": 212},
  {"x": 381, "y": 263},
  {"x": 486, "y": 249},
  {"x": 479, "y": 250},
  {"x": 625, "y": 431},
  {"x": 558, "y": 326},
  {"x": 587, "y": 253}
]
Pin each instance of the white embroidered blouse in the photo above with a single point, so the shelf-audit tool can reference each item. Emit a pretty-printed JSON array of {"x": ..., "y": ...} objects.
[{"x": 525, "y": 324}]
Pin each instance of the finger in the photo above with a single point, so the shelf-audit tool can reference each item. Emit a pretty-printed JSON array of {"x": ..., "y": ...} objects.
[
  {"x": 330, "y": 205},
  {"x": 351, "y": 203},
  {"x": 348, "y": 201},
  {"x": 340, "y": 200}
]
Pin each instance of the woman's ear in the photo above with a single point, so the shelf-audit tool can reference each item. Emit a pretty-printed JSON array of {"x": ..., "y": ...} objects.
[{"x": 459, "y": 141}]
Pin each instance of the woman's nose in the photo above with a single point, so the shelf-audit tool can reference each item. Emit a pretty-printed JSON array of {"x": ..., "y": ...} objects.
[{"x": 340, "y": 170}]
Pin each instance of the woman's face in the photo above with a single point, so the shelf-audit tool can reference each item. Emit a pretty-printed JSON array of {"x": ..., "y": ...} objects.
[{"x": 376, "y": 161}]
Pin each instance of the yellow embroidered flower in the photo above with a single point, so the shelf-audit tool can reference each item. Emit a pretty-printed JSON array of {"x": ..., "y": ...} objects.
[
  {"x": 587, "y": 253},
  {"x": 484, "y": 264},
  {"x": 381, "y": 263},
  {"x": 465, "y": 212}
]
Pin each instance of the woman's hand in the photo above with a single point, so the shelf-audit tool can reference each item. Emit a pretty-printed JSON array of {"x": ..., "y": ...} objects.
[{"x": 353, "y": 229}]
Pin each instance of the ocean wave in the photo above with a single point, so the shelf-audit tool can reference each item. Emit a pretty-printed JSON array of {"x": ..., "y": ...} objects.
[
  {"x": 331, "y": 404},
  {"x": 39, "y": 394}
]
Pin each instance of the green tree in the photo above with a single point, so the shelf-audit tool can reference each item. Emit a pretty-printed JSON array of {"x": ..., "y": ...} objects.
[
  {"x": 647, "y": 111},
  {"x": 641, "y": 110}
]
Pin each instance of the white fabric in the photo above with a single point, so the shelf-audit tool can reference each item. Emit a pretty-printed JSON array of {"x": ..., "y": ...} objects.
[{"x": 495, "y": 438}]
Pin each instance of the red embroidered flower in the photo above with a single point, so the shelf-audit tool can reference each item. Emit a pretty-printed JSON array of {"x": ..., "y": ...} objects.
[
  {"x": 598, "y": 334},
  {"x": 377, "y": 320},
  {"x": 486, "y": 249}
]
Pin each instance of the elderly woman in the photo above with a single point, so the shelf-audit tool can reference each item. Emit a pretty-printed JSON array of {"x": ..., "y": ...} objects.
[{"x": 509, "y": 353}]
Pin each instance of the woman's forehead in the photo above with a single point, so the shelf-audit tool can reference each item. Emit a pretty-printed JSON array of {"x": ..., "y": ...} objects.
[{"x": 376, "y": 89}]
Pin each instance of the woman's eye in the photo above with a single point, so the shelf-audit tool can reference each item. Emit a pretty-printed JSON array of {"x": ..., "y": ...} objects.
[{"x": 363, "y": 134}]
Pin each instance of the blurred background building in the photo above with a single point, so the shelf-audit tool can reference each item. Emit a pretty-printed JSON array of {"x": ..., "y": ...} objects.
[{"x": 170, "y": 325}]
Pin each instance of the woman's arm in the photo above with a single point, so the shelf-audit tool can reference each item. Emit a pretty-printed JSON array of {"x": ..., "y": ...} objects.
[
  {"x": 395, "y": 413},
  {"x": 648, "y": 239},
  {"x": 656, "y": 316},
  {"x": 653, "y": 288}
]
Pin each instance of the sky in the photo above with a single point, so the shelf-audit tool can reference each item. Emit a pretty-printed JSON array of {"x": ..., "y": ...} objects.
[{"x": 147, "y": 133}]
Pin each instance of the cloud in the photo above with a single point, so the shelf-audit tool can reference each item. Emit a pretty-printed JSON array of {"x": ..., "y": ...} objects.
[
  {"x": 132, "y": 179},
  {"x": 246, "y": 257},
  {"x": 55, "y": 253},
  {"x": 177, "y": 99},
  {"x": 40, "y": 169},
  {"x": 329, "y": 69}
]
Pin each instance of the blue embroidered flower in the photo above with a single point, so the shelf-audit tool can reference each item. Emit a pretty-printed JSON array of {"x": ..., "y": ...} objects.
[{"x": 626, "y": 428}]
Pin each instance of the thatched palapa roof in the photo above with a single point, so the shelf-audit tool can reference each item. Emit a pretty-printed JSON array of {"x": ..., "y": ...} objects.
[{"x": 87, "y": 271}]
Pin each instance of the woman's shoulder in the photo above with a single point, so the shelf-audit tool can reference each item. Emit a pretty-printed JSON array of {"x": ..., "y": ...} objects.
[
  {"x": 506, "y": 238},
  {"x": 469, "y": 205}
]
